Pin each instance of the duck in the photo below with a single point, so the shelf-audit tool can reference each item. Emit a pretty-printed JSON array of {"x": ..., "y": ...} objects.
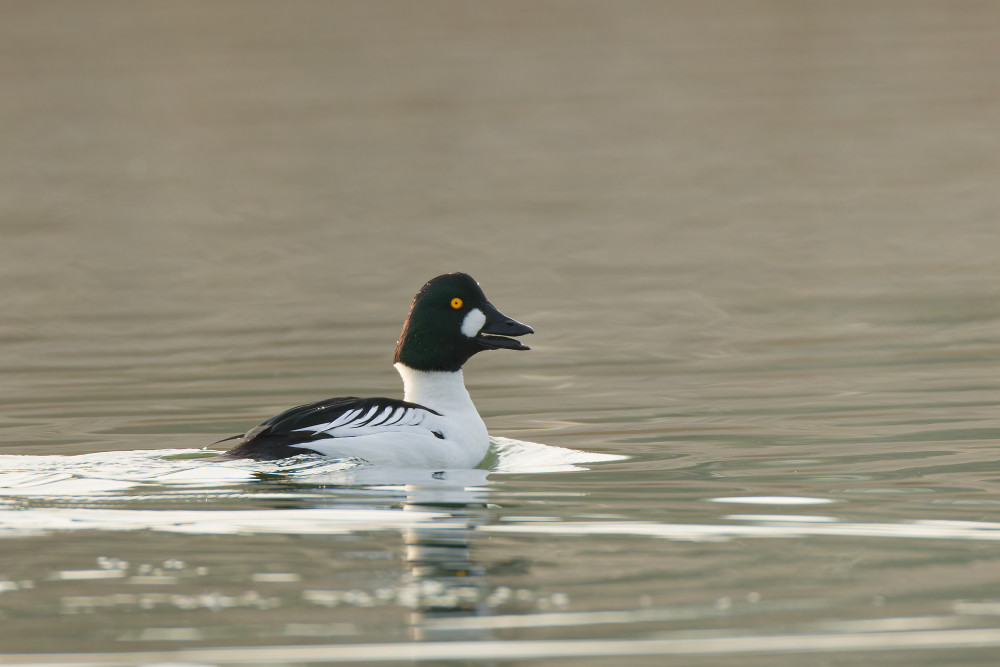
[{"x": 436, "y": 424}]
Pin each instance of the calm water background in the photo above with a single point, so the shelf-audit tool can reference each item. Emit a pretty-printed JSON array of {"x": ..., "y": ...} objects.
[{"x": 758, "y": 242}]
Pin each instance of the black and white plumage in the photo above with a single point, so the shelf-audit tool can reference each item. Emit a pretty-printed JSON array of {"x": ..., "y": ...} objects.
[
  {"x": 436, "y": 424},
  {"x": 291, "y": 432}
]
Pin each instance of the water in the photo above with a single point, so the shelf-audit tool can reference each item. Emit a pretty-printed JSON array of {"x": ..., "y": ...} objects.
[{"x": 758, "y": 243}]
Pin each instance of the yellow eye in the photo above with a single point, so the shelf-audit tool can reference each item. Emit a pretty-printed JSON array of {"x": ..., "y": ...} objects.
[{"x": 456, "y": 303}]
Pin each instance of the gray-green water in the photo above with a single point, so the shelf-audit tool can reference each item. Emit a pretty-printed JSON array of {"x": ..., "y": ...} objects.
[{"x": 758, "y": 242}]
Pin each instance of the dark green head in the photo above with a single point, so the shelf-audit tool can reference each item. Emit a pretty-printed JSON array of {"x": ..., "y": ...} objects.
[{"x": 450, "y": 320}]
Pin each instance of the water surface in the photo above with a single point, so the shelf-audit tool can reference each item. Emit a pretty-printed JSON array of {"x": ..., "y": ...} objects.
[{"x": 758, "y": 243}]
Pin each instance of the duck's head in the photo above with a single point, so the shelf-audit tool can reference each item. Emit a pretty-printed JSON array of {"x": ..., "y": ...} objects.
[{"x": 450, "y": 320}]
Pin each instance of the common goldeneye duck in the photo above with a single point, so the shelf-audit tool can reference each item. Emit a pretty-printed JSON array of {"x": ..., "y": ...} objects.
[{"x": 436, "y": 423}]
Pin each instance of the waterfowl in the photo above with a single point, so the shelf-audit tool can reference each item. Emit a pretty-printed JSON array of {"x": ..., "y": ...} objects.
[{"x": 436, "y": 424}]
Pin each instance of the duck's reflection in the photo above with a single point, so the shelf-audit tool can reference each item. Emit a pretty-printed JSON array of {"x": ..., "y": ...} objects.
[
  {"x": 441, "y": 559},
  {"x": 443, "y": 580}
]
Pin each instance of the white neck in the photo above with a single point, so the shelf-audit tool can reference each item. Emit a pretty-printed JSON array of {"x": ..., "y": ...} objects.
[{"x": 441, "y": 391}]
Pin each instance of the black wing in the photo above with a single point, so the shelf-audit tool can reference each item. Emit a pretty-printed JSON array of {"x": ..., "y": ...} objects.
[{"x": 276, "y": 438}]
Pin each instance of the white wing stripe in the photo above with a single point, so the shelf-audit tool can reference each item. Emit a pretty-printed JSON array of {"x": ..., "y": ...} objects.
[
  {"x": 327, "y": 426},
  {"x": 383, "y": 417},
  {"x": 377, "y": 418},
  {"x": 368, "y": 415},
  {"x": 343, "y": 419}
]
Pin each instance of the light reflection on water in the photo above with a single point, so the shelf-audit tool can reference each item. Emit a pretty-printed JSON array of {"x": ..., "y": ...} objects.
[
  {"x": 88, "y": 477},
  {"x": 448, "y": 593},
  {"x": 758, "y": 245}
]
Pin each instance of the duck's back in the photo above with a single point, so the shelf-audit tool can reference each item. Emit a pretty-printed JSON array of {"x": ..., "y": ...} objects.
[{"x": 349, "y": 420}]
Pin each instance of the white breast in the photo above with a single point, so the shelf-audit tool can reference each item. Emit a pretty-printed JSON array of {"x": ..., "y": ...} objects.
[
  {"x": 445, "y": 393},
  {"x": 414, "y": 440}
]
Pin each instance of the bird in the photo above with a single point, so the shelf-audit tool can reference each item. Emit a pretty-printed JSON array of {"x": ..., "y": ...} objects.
[{"x": 436, "y": 424}]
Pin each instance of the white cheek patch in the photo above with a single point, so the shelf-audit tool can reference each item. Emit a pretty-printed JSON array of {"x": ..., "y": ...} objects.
[{"x": 473, "y": 322}]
